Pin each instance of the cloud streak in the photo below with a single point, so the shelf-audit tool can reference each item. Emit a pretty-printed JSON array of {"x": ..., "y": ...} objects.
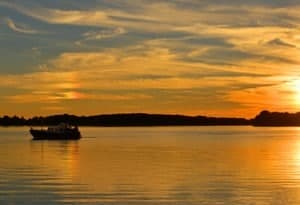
[
  {"x": 103, "y": 34},
  {"x": 19, "y": 28}
]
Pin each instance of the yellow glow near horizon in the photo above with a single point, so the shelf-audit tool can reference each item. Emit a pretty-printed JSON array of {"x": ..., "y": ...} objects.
[{"x": 296, "y": 90}]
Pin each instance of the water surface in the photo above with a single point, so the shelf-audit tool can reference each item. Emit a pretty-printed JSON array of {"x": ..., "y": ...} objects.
[{"x": 153, "y": 165}]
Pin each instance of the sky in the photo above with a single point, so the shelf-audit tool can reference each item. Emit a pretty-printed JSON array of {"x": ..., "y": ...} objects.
[{"x": 208, "y": 57}]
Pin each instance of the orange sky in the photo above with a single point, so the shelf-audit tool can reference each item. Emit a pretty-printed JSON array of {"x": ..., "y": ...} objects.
[{"x": 194, "y": 58}]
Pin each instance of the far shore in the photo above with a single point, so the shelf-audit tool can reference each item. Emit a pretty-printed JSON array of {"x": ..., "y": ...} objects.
[{"x": 264, "y": 118}]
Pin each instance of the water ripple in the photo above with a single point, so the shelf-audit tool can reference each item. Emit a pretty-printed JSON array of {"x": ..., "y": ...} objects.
[{"x": 177, "y": 165}]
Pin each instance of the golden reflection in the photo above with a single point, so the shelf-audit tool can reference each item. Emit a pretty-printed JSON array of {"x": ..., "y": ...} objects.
[
  {"x": 168, "y": 163},
  {"x": 60, "y": 154},
  {"x": 296, "y": 150},
  {"x": 163, "y": 165},
  {"x": 70, "y": 151}
]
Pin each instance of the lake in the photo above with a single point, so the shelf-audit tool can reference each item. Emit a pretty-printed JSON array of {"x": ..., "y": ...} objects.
[{"x": 153, "y": 165}]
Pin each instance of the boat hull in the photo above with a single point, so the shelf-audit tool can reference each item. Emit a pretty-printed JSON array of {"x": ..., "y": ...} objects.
[{"x": 45, "y": 135}]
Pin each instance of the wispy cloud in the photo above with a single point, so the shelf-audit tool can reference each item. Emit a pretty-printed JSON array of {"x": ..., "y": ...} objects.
[
  {"x": 279, "y": 42},
  {"x": 103, "y": 34},
  {"x": 20, "y": 28},
  {"x": 92, "y": 17}
]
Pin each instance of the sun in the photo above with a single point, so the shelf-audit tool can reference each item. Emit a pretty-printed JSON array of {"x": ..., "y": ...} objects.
[
  {"x": 296, "y": 84},
  {"x": 296, "y": 90}
]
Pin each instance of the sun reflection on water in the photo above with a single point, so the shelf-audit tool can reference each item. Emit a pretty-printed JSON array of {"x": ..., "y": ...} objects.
[
  {"x": 59, "y": 154},
  {"x": 295, "y": 148}
]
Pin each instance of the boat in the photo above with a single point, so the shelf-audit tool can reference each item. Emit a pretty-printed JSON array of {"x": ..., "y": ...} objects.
[{"x": 61, "y": 132}]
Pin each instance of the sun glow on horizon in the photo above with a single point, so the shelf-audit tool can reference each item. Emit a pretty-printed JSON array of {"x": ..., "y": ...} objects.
[{"x": 295, "y": 86}]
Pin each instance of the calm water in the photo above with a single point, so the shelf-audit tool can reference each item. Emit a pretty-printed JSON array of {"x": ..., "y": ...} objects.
[{"x": 160, "y": 165}]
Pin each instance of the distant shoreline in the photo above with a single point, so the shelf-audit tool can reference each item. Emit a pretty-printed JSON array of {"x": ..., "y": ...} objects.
[
  {"x": 122, "y": 120},
  {"x": 263, "y": 119}
]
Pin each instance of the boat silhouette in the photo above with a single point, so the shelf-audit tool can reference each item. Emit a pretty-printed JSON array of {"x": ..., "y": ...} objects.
[{"x": 62, "y": 131}]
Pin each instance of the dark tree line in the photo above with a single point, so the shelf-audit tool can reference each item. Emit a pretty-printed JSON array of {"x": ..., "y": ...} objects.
[
  {"x": 265, "y": 118},
  {"x": 138, "y": 119}
]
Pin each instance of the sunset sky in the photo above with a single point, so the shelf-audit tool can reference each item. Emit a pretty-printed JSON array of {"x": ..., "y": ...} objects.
[{"x": 208, "y": 57}]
